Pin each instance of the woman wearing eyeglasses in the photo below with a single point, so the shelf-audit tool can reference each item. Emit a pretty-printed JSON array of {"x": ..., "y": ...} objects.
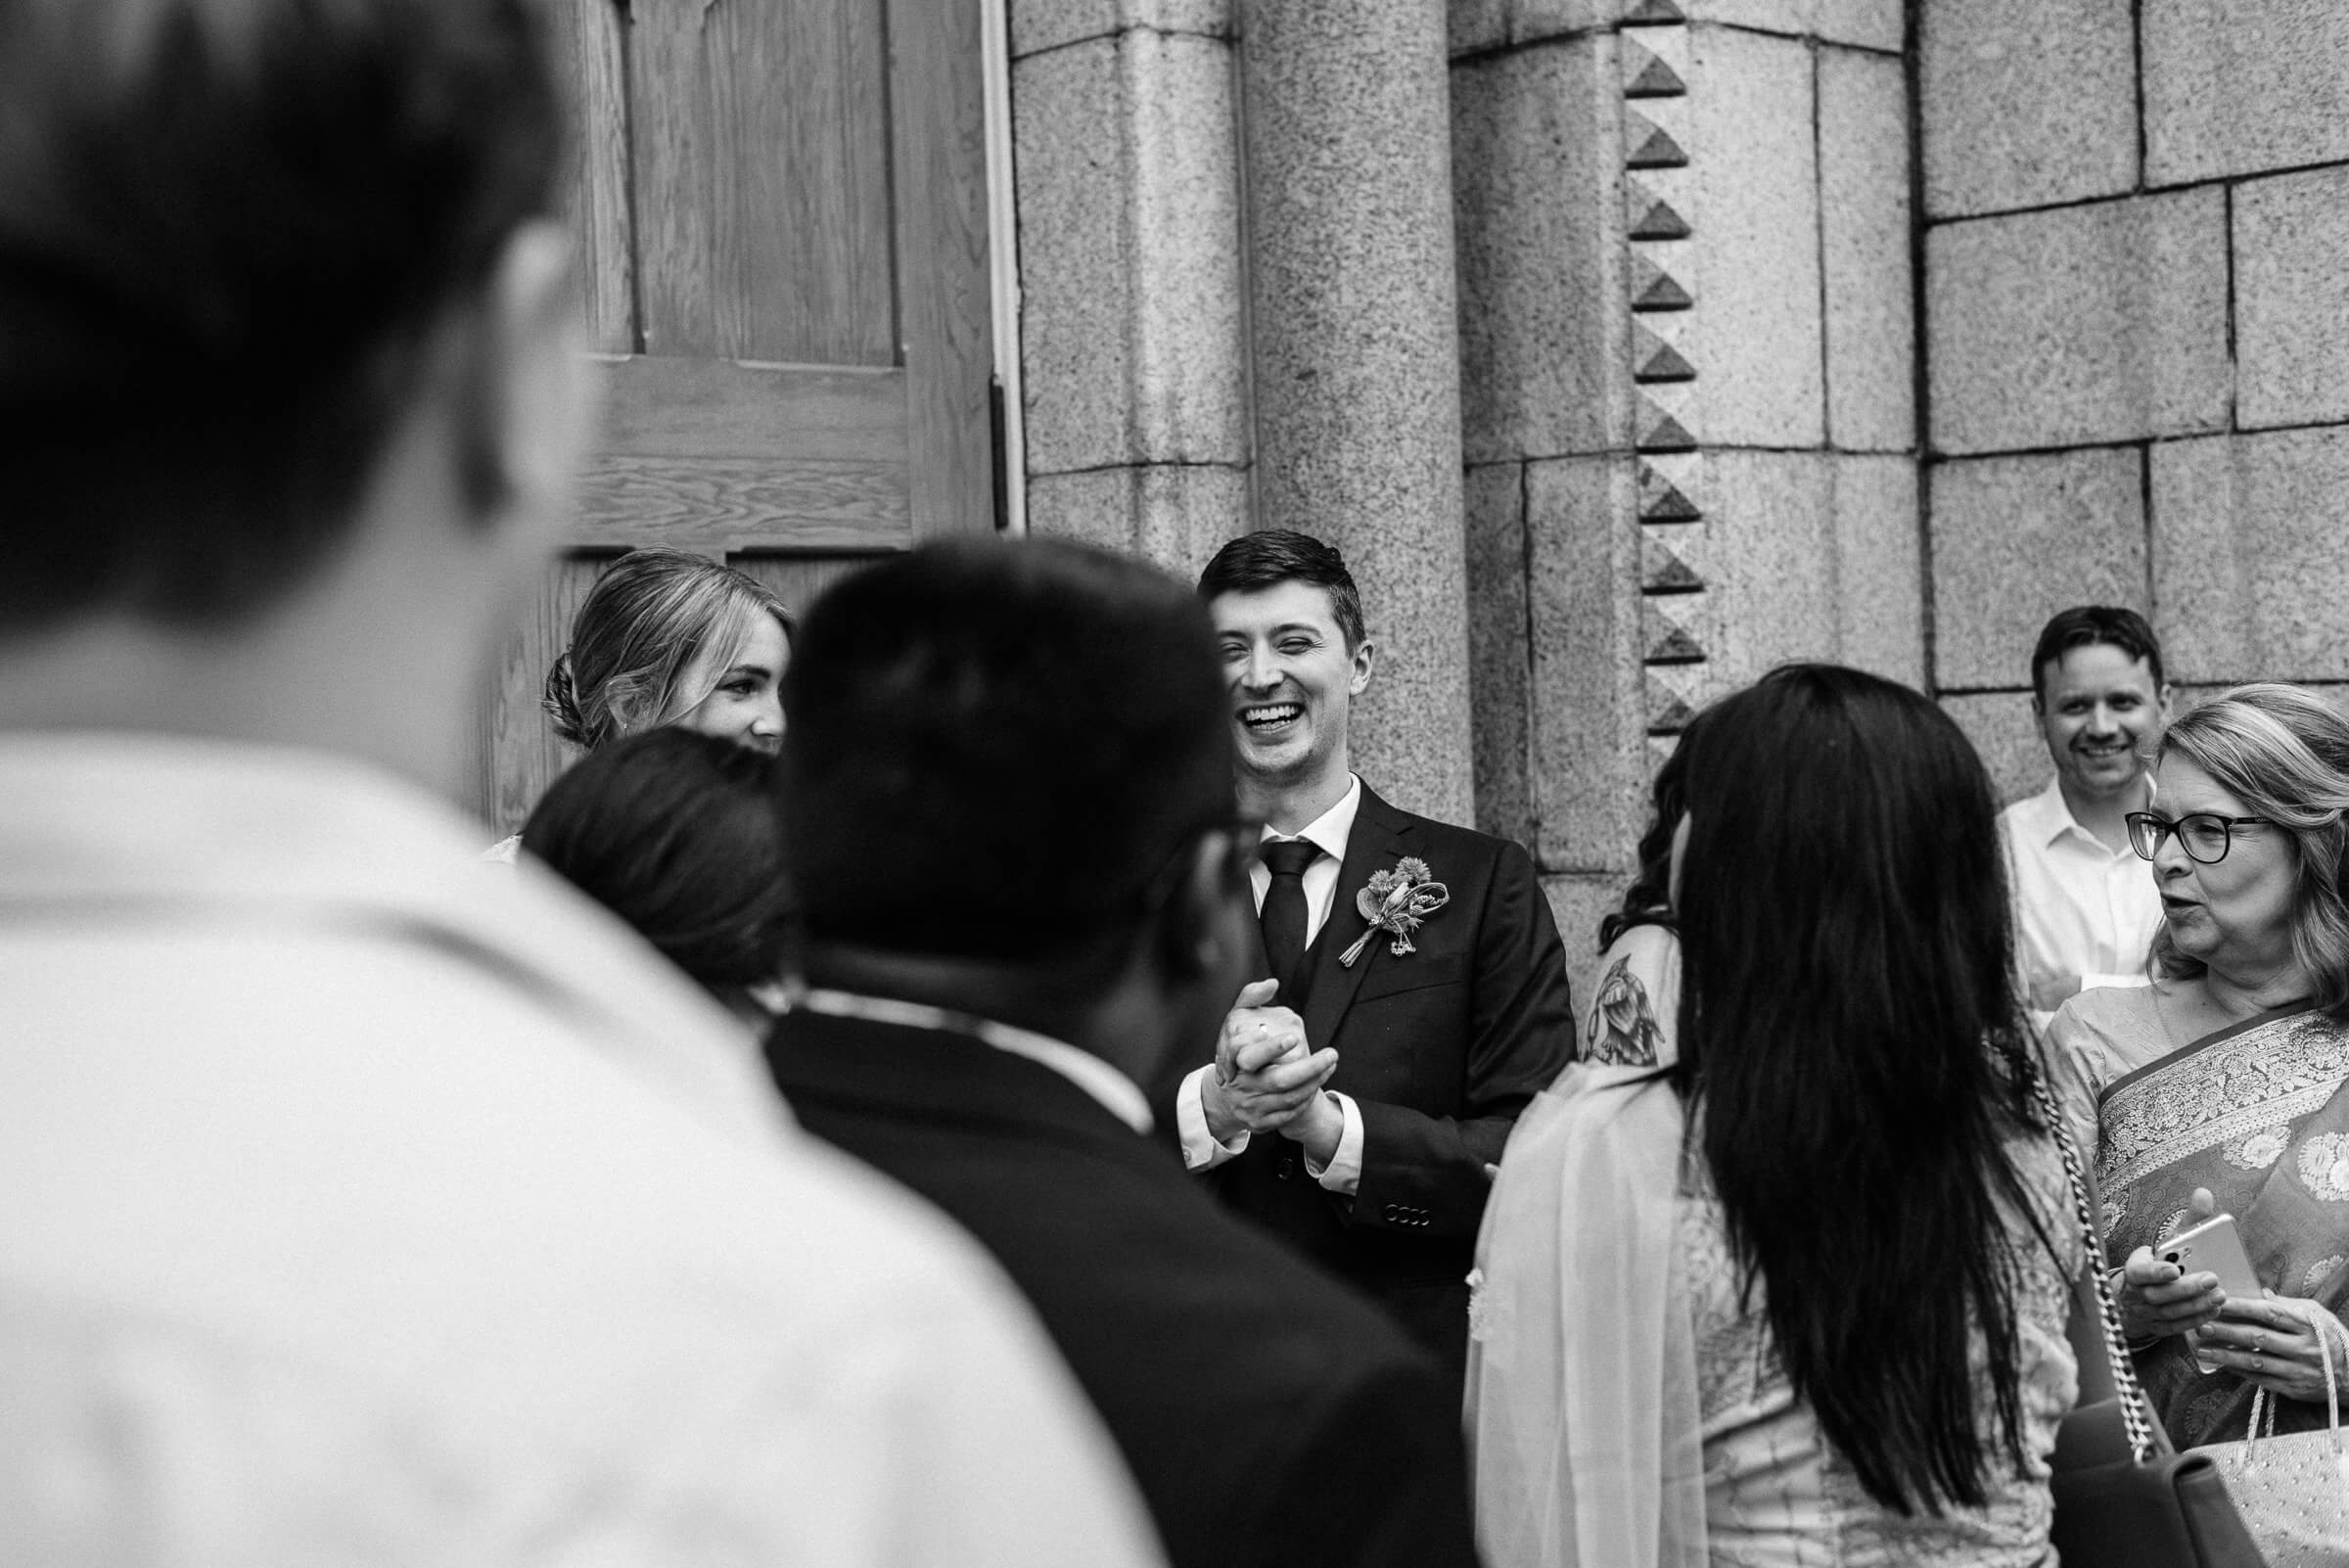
[{"x": 2225, "y": 1084}]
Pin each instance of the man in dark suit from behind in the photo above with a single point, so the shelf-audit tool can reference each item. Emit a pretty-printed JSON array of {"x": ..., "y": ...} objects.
[
  {"x": 1008, "y": 776},
  {"x": 1365, "y": 1085}
]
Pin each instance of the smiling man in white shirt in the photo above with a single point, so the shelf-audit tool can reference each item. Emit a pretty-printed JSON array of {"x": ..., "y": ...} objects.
[{"x": 2085, "y": 906}]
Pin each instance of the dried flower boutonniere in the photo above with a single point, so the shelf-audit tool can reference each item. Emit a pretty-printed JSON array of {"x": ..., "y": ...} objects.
[{"x": 1395, "y": 902}]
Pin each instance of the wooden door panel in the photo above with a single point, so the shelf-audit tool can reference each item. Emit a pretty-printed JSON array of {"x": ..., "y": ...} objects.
[{"x": 763, "y": 190}]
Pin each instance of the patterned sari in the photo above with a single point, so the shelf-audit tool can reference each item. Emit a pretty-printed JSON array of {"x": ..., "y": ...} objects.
[{"x": 2259, "y": 1114}]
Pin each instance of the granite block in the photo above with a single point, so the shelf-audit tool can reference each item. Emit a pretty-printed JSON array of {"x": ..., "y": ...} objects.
[
  {"x": 1499, "y": 650},
  {"x": 1755, "y": 340},
  {"x": 1129, "y": 254},
  {"x": 1475, "y": 26},
  {"x": 1879, "y": 575},
  {"x": 2249, "y": 566},
  {"x": 1175, "y": 515},
  {"x": 2237, "y": 86},
  {"x": 1589, "y": 747},
  {"x": 2017, "y": 538},
  {"x": 1039, "y": 24},
  {"x": 1355, "y": 342},
  {"x": 1772, "y": 547},
  {"x": 2026, "y": 102},
  {"x": 1879, "y": 25},
  {"x": 1864, "y": 229},
  {"x": 1535, "y": 159},
  {"x": 2292, "y": 300},
  {"x": 2083, "y": 324},
  {"x": 1579, "y": 900},
  {"x": 2007, "y": 737}
]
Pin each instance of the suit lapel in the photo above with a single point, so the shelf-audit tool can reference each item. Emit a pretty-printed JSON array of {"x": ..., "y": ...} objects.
[{"x": 1379, "y": 839}]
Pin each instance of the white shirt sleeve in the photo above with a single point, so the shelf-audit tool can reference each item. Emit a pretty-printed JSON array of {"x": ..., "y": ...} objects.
[
  {"x": 1200, "y": 1150},
  {"x": 1344, "y": 1172}
]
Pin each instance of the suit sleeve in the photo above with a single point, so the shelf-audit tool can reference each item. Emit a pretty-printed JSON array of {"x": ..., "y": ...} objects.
[{"x": 1424, "y": 1174}]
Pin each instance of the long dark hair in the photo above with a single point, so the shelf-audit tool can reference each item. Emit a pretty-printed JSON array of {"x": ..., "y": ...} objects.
[
  {"x": 1851, "y": 1033},
  {"x": 682, "y": 836}
]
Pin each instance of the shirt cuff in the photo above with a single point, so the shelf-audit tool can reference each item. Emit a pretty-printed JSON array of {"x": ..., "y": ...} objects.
[
  {"x": 1344, "y": 1172},
  {"x": 1200, "y": 1150}
]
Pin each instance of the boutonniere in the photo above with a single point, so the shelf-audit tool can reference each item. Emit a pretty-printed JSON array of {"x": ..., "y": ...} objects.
[{"x": 1395, "y": 902}]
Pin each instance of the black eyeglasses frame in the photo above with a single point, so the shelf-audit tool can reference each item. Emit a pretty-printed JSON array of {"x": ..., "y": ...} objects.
[{"x": 2160, "y": 830}]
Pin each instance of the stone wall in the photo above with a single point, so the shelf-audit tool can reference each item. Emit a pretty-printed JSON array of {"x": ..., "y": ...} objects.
[
  {"x": 1688, "y": 385},
  {"x": 2136, "y": 333}
]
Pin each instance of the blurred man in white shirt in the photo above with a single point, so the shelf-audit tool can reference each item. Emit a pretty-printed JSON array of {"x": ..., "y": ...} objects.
[
  {"x": 2085, "y": 908},
  {"x": 356, "y": 1206}
]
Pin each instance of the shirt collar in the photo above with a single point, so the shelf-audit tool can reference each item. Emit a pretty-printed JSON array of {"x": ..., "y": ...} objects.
[
  {"x": 1333, "y": 829},
  {"x": 1117, "y": 1094},
  {"x": 2051, "y": 815},
  {"x": 107, "y": 826}
]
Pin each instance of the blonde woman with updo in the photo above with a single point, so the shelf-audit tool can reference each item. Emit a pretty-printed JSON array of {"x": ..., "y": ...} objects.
[{"x": 670, "y": 639}]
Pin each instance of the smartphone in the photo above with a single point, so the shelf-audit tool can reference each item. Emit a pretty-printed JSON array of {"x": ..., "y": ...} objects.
[{"x": 2212, "y": 1247}]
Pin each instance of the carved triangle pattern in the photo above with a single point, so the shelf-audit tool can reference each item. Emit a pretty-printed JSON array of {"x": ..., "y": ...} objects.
[
  {"x": 1655, "y": 360},
  {"x": 1650, "y": 144},
  {"x": 1675, "y": 610},
  {"x": 1674, "y": 628},
  {"x": 1669, "y": 556},
  {"x": 1648, "y": 75},
  {"x": 1661, "y": 500},
  {"x": 1654, "y": 288},
  {"x": 1658, "y": 430},
  {"x": 1675, "y": 693},
  {"x": 1651, "y": 217}
]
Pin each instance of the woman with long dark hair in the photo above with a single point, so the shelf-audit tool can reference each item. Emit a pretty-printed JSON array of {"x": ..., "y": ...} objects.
[{"x": 1803, "y": 1296}]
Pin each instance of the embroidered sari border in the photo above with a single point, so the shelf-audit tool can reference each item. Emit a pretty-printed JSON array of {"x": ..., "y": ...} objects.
[
  {"x": 2239, "y": 1080},
  {"x": 2179, "y": 1057}
]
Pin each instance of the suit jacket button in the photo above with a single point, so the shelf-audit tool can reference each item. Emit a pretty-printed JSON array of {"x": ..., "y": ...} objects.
[{"x": 1287, "y": 1169}]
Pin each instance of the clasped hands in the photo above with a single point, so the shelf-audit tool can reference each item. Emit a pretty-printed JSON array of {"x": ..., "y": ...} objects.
[
  {"x": 2268, "y": 1340},
  {"x": 1267, "y": 1079}
]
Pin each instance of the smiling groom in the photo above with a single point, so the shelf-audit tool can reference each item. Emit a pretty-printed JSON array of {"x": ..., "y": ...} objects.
[{"x": 1361, "y": 1087}]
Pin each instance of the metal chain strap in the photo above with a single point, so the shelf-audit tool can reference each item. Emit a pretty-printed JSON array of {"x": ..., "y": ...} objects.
[{"x": 2116, "y": 1347}]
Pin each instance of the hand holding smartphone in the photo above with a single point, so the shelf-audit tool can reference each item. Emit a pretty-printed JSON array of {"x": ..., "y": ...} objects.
[{"x": 2212, "y": 1246}]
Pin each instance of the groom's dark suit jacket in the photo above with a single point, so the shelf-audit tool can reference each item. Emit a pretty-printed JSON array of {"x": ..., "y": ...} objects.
[
  {"x": 1440, "y": 1048},
  {"x": 1269, "y": 1416}
]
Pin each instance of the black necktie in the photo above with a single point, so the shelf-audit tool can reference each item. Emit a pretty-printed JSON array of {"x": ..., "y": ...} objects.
[{"x": 1283, "y": 914}]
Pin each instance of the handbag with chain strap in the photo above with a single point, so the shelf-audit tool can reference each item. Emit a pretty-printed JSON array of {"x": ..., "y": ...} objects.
[
  {"x": 2293, "y": 1492},
  {"x": 2124, "y": 1496}
]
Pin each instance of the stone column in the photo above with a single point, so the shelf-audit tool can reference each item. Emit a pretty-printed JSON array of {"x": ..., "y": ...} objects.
[{"x": 1347, "y": 154}]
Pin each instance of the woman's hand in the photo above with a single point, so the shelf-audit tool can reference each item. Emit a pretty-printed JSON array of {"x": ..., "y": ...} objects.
[
  {"x": 2271, "y": 1343},
  {"x": 2158, "y": 1298}
]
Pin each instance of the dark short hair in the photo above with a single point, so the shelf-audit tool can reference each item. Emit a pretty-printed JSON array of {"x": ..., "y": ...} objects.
[
  {"x": 995, "y": 749},
  {"x": 1255, "y": 562},
  {"x": 228, "y": 235},
  {"x": 682, "y": 836},
  {"x": 2088, "y": 625}
]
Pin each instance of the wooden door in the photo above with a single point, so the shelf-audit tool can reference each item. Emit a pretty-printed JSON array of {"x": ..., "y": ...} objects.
[{"x": 781, "y": 212}]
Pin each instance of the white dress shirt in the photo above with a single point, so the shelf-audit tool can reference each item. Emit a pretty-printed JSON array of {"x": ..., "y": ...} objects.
[
  {"x": 2085, "y": 914},
  {"x": 1200, "y": 1151},
  {"x": 360, "y": 1204}
]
